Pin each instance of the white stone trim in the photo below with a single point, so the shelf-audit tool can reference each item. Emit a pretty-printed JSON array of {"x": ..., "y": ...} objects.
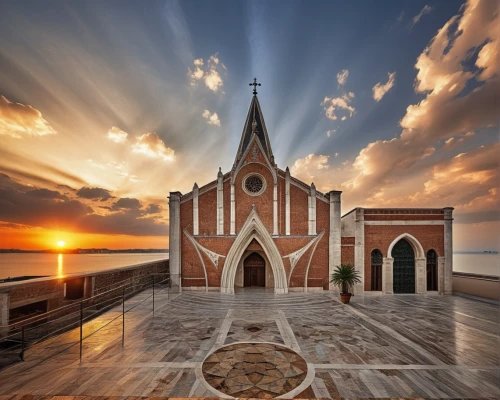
[
  {"x": 220, "y": 204},
  {"x": 441, "y": 265},
  {"x": 312, "y": 210},
  {"x": 287, "y": 202},
  {"x": 403, "y": 222},
  {"x": 196, "y": 192},
  {"x": 417, "y": 247},
  {"x": 233, "y": 211},
  {"x": 388, "y": 275},
  {"x": 296, "y": 255},
  {"x": 359, "y": 250},
  {"x": 448, "y": 250},
  {"x": 334, "y": 238},
  {"x": 253, "y": 228},
  {"x": 174, "y": 205},
  {"x": 275, "y": 210}
]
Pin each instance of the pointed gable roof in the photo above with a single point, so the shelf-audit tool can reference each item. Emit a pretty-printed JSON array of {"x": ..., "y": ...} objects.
[{"x": 255, "y": 123}]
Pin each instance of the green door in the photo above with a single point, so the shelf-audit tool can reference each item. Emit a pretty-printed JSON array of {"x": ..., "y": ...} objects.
[{"x": 404, "y": 267}]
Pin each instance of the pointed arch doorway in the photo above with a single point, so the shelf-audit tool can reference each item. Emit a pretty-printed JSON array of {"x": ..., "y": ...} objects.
[{"x": 254, "y": 229}]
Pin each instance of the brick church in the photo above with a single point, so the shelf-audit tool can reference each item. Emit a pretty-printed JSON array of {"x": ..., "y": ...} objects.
[{"x": 258, "y": 226}]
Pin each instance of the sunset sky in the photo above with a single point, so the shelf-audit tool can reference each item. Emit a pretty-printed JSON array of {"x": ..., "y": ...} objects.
[{"x": 107, "y": 106}]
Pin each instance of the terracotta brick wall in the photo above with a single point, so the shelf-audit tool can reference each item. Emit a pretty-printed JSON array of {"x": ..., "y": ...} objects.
[
  {"x": 299, "y": 215},
  {"x": 380, "y": 237},
  {"x": 207, "y": 212}
]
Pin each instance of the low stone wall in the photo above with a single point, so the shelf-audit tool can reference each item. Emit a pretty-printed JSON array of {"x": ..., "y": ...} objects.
[
  {"x": 485, "y": 286},
  {"x": 52, "y": 289}
]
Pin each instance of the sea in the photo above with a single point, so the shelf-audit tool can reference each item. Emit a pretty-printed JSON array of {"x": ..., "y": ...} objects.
[
  {"x": 41, "y": 264},
  {"x": 44, "y": 264}
]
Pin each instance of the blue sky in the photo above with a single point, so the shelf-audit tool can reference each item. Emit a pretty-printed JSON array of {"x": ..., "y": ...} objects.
[{"x": 89, "y": 66}]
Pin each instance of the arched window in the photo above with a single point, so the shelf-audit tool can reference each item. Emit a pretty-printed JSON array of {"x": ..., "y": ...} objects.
[
  {"x": 377, "y": 269},
  {"x": 432, "y": 276}
]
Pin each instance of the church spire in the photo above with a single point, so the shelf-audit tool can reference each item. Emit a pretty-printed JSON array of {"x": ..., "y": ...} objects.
[{"x": 255, "y": 125}]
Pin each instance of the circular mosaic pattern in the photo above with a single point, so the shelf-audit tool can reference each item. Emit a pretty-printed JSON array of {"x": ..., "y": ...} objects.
[
  {"x": 254, "y": 185},
  {"x": 254, "y": 370}
]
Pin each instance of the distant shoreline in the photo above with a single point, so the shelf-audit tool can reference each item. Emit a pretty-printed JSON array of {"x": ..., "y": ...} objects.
[{"x": 84, "y": 251}]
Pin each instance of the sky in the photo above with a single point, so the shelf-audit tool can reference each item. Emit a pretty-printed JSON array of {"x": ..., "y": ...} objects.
[{"x": 106, "y": 107}]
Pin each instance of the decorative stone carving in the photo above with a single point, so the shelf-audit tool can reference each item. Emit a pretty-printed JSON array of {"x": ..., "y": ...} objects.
[{"x": 296, "y": 255}]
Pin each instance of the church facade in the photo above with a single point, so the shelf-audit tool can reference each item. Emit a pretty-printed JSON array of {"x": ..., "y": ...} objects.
[{"x": 258, "y": 226}]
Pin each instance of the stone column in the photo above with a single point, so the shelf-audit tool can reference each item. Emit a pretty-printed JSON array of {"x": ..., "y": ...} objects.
[
  {"x": 420, "y": 275},
  {"x": 359, "y": 249},
  {"x": 387, "y": 276},
  {"x": 196, "y": 193},
  {"x": 174, "y": 247},
  {"x": 312, "y": 210},
  {"x": 448, "y": 250},
  {"x": 441, "y": 275},
  {"x": 233, "y": 211},
  {"x": 334, "y": 240},
  {"x": 220, "y": 203},
  {"x": 275, "y": 208},
  {"x": 287, "y": 201}
]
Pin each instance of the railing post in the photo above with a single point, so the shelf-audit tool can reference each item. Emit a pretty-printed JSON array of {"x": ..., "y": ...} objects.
[
  {"x": 81, "y": 330},
  {"x": 153, "y": 295},
  {"x": 123, "y": 317},
  {"x": 22, "y": 343}
]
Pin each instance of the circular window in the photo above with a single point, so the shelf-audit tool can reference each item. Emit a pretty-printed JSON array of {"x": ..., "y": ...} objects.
[{"x": 254, "y": 184}]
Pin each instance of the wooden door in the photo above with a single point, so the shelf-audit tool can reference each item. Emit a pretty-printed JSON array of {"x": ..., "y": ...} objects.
[{"x": 254, "y": 271}]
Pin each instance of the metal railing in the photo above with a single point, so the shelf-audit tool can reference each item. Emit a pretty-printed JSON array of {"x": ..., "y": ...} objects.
[{"x": 23, "y": 335}]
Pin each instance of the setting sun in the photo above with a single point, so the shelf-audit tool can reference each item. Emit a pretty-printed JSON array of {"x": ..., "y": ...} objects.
[{"x": 61, "y": 243}]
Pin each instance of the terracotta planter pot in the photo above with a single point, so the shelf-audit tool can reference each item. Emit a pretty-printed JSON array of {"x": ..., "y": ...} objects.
[{"x": 345, "y": 297}]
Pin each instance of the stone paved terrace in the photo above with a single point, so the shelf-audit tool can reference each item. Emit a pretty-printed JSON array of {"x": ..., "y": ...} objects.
[{"x": 377, "y": 347}]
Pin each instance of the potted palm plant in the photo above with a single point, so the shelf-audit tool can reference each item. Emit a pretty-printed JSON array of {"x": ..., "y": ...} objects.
[{"x": 345, "y": 276}]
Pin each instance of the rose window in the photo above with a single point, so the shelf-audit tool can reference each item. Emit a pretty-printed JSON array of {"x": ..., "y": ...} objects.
[{"x": 254, "y": 185}]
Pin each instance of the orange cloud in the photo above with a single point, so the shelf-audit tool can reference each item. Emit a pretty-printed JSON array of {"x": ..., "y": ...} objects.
[
  {"x": 18, "y": 120},
  {"x": 117, "y": 135},
  {"x": 151, "y": 145}
]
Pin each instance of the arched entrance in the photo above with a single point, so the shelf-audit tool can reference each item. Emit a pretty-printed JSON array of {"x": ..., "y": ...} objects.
[
  {"x": 253, "y": 229},
  {"x": 254, "y": 267},
  {"x": 403, "y": 267}
]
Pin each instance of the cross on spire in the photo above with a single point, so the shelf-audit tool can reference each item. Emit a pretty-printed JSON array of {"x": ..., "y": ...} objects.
[{"x": 254, "y": 84}]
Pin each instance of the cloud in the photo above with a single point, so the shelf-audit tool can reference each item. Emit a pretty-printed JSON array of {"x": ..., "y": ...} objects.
[
  {"x": 126, "y": 203},
  {"x": 22, "y": 206},
  {"x": 416, "y": 19},
  {"x": 212, "y": 118},
  {"x": 117, "y": 135},
  {"x": 330, "y": 131},
  {"x": 311, "y": 167},
  {"x": 333, "y": 105},
  {"x": 94, "y": 193},
  {"x": 152, "y": 146},
  {"x": 46, "y": 194},
  {"x": 208, "y": 72},
  {"x": 380, "y": 89},
  {"x": 446, "y": 111},
  {"x": 153, "y": 209},
  {"x": 18, "y": 120},
  {"x": 342, "y": 77}
]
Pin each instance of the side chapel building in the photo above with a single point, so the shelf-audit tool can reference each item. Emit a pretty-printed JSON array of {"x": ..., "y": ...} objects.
[{"x": 257, "y": 225}]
